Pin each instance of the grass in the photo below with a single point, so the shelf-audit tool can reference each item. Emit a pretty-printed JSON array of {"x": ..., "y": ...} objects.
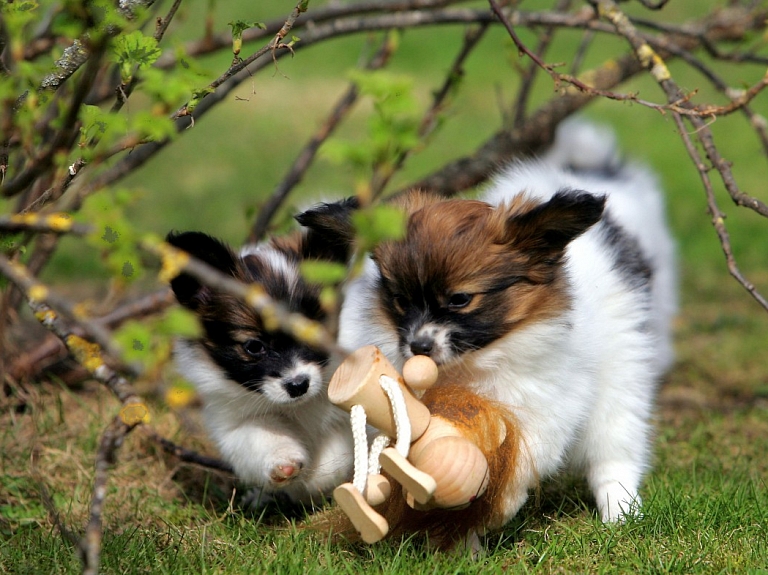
[{"x": 706, "y": 500}]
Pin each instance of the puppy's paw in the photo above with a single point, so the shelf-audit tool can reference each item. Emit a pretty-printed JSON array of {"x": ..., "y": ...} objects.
[
  {"x": 285, "y": 471},
  {"x": 616, "y": 504},
  {"x": 285, "y": 466}
]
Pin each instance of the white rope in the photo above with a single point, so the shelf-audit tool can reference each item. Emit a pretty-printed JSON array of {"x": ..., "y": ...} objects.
[
  {"x": 379, "y": 443},
  {"x": 400, "y": 412},
  {"x": 358, "y": 420},
  {"x": 366, "y": 462}
]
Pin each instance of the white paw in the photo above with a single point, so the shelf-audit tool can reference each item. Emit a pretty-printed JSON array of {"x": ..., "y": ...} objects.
[{"x": 616, "y": 503}]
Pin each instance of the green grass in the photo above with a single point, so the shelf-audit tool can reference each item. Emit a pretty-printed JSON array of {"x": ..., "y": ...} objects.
[{"x": 706, "y": 500}]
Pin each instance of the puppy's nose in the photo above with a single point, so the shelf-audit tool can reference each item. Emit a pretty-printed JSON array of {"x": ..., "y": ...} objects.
[
  {"x": 297, "y": 386},
  {"x": 422, "y": 345}
]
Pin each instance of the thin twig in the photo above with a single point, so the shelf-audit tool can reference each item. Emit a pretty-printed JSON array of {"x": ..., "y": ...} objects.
[
  {"x": 52, "y": 349},
  {"x": 66, "y": 134},
  {"x": 526, "y": 83},
  {"x": 60, "y": 223},
  {"x": 659, "y": 71},
  {"x": 190, "y": 456},
  {"x": 303, "y": 161},
  {"x": 429, "y": 122},
  {"x": 106, "y": 456},
  {"x": 718, "y": 217},
  {"x": 42, "y": 299},
  {"x": 274, "y": 314}
]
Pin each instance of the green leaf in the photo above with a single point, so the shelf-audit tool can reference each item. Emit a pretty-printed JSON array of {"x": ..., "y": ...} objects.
[
  {"x": 134, "y": 338},
  {"x": 322, "y": 272},
  {"x": 179, "y": 321},
  {"x": 134, "y": 51},
  {"x": 379, "y": 223}
]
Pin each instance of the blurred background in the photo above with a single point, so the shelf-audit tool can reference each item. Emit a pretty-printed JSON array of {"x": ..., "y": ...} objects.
[{"x": 218, "y": 173}]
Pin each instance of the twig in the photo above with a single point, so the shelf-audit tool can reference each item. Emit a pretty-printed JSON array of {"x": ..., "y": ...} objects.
[
  {"x": 428, "y": 123},
  {"x": 78, "y": 53},
  {"x": 718, "y": 217},
  {"x": 52, "y": 349},
  {"x": 106, "y": 456},
  {"x": 529, "y": 75},
  {"x": 163, "y": 23},
  {"x": 189, "y": 456},
  {"x": 59, "y": 223},
  {"x": 535, "y": 133},
  {"x": 274, "y": 314},
  {"x": 66, "y": 134},
  {"x": 659, "y": 71},
  {"x": 306, "y": 156},
  {"x": 221, "y": 41},
  {"x": 319, "y": 33},
  {"x": 90, "y": 355},
  {"x": 41, "y": 298}
]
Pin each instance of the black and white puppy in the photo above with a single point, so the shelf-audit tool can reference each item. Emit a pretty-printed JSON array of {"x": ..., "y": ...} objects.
[
  {"x": 264, "y": 392},
  {"x": 552, "y": 294}
]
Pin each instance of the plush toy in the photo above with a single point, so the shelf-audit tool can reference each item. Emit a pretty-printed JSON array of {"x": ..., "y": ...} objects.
[{"x": 441, "y": 460}]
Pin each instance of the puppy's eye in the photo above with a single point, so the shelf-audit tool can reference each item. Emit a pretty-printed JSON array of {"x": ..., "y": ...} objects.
[
  {"x": 400, "y": 301},
  {"x": 254, "y": 347},
  {"x": 459, "y": 300}
]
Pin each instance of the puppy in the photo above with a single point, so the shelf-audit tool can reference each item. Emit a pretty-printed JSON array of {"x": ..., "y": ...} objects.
[
  {"x": 264, "y": 393},
  {"x": 552, "y": 295}
]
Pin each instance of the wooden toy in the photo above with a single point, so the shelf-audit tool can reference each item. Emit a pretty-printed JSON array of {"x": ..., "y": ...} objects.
[{"x": 433, "y": 460}]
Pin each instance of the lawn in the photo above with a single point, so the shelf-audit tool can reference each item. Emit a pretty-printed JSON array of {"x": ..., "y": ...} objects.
[{"x": 706, "y": 499}]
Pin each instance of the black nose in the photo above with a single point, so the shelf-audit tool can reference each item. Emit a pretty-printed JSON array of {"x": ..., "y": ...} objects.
[
  {"x": 422, "y": 345},
  {"x": 297, "y": 386}
]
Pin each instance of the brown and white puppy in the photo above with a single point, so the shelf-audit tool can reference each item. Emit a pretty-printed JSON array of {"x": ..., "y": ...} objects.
[{"x": 553, "y": 301}]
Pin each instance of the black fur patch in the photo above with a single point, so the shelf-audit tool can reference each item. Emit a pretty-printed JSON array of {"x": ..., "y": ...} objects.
[
  {"x": 629, "y": 260},
  {"x": 330, "y": 234},
  {"x": 233, "y": 330}
]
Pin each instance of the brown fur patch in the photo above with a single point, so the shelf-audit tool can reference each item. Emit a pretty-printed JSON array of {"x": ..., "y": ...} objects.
[
  {"x": 483, "y": 422},
  {"x": 468, "y": 246}
]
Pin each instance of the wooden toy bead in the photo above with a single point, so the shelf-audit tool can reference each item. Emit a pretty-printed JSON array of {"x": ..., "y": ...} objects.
[
  {"x": 459, "y": 468},
  {"x": 420, "y": 372}
]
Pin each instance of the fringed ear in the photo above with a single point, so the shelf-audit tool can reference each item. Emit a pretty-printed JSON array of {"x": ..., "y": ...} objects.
[
  {"x": 330, "y": 233},
  {"x": 546, "y": 229},
  {"x": 188, "y": 290}
]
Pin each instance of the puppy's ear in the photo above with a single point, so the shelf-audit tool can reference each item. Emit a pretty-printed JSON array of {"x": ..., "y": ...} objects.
[
  {"x": 548, "y": 228},
  {"x": 330, "y": 233},
  {"x": 188, "y": 290}
]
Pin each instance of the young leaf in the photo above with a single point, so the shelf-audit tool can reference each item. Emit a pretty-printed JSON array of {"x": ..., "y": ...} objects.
[{"x": 323, "y": 273}]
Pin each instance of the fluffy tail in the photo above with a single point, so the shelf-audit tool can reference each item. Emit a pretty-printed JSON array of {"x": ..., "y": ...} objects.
[{"x": 582, "y": 146}]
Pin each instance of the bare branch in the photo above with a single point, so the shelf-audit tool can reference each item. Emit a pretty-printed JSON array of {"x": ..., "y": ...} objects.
[
  {"x": 659, "y": 71},
  {"x": 66, "y": 134},
  {"x": 41, "y": 298},
  {"x": 106, "y": 456},
  {"x": 60, "y": 223},
  {"x": 718, "y": 217}
]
